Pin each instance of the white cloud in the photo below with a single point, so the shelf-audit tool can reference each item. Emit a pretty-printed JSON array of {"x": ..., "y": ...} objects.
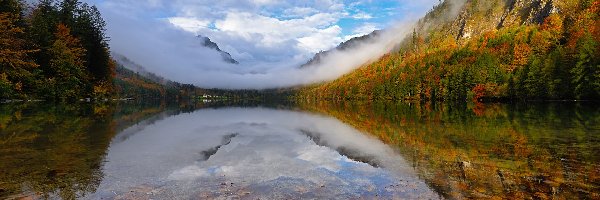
[
  {"x": 190, "y": 24},
  {"x": 321, "y": 39},
  {"x": 362, "y": 15},
  {"x": 264, "y": 2},
  {"x": 271, "y": 32},
  {"x": 253, "y": 31},
  {"x": 364, "y": 29},
  {"x": 296, "y": 12}
]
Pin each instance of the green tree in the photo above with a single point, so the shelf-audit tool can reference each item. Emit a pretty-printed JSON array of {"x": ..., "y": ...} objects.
[
  {"x": 585, "y": 73},
  {"x": 535, "y": 82},
  {"x": 558, "y": 75},
  {"x": 91, "y": 28},
  {"x": 67, "y": 65},
  {"x": 43, "y": 21}
]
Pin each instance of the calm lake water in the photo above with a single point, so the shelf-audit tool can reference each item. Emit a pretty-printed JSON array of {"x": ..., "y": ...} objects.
[{"x": 309, "y": 150}]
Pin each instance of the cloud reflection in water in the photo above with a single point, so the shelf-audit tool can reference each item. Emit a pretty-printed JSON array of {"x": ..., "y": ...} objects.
[{"x": 256, "y": 153}]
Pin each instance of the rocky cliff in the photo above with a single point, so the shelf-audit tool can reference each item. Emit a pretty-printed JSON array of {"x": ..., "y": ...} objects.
[
  {"x": 206, "y": 42},
  {"x": 464, "y": 19}
]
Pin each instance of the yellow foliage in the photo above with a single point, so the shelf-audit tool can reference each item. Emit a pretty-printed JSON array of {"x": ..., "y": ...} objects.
[{"x": 102, "y": 89}]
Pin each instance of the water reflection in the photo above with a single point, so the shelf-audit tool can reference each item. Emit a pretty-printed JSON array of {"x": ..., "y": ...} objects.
[
  {"x": 310, "y": 150},
  {"x": 56, "y": 151},
  {"x": 52, "y": 151},
  {"x": 514, "y": 151},
  {"x": 255, "y": 153}
]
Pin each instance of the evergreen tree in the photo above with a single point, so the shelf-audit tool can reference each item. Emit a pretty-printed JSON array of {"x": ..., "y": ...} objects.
[
  {"x": 585, "y": 73},
  {"x": 43, "y": 22},
  {"x": 91, "y": 28}
]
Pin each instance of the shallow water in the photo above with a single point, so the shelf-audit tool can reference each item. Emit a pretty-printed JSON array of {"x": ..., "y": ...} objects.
[{"x": 306, "y": 151}]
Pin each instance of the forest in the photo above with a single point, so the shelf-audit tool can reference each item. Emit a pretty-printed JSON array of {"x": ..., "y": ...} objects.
[
  {"x": 53, "y": 51},
  {"x": 555, "y": 59},
  {"x": 58, "y": 51}
]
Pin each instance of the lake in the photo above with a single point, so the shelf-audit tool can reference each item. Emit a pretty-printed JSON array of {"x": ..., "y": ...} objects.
[{"x": 324, "y": 150}]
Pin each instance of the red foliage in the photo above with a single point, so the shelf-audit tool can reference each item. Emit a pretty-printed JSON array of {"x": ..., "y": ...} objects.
[{"x": 479, "y": 90}]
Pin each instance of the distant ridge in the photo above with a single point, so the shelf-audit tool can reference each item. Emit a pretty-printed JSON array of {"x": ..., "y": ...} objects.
[
  {"x": 342, "y": 47},
  {"x": 212, "y": 45},
  {"x": 131, "y": 65}
]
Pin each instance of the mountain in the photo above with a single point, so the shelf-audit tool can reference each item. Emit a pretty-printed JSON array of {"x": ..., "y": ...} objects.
[
  {"x": 491, "y": 50},
  {"x": 472, "y": 18},
  {"x": 134, "y": 81},
  {"x": 212, "y": 45},
  {"x": 130, "y": 65},
  {"x": 352, "y": 43}
]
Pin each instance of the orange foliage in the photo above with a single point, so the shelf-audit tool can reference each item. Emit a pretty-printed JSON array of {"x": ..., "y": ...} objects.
[
  {"x": 595, "y": 9},
  {"x": 486, "y": 37},
  {"x": 582, "y": 22},
  {"x": 540, "y": 41},
  {"x": 521, "y": 54},
  {"x": 13, "y": 52},
  {"x": 553, "y": 24},
  {"x": 64, "y": 37}
]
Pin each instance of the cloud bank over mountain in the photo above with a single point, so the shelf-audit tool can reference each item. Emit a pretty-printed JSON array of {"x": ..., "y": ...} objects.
[{"x": 270, "y": 39}]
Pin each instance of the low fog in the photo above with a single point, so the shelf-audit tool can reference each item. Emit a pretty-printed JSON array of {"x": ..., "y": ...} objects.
[{"x": 178, "y": 55}]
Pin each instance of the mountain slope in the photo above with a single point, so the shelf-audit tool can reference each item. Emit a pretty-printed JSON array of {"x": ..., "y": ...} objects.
[
  {"x": 206, "y": 42},
  {"x": 142, "y": 71},
  {"x": 352, "y": 43},
  {"x": 134, "y": 81},
  {"x": 486, "y": 50}
]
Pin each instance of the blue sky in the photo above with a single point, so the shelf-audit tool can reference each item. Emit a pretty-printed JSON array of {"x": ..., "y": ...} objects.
[{"x": 263, "y": 35}]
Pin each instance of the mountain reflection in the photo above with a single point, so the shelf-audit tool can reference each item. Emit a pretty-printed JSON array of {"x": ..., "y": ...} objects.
[
  {"x": 515, "y": 151},
  {"x": 309, "y": 150},
  {"x": 254, "y": 153}
]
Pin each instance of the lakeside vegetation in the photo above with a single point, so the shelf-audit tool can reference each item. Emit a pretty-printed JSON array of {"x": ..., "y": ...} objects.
[{"x": 558, "y": 58}]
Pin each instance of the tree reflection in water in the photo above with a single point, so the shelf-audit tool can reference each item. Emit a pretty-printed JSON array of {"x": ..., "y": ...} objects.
[
  {"x": 536, "y": 150},
  {"x": 52, "y": 151}
]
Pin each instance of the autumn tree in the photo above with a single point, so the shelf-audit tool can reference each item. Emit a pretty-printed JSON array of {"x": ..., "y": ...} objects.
[
  {"x": 14, "y": 7},
  {"x": 67, "y": 65},
  {"x": 15, "y": 61}
]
